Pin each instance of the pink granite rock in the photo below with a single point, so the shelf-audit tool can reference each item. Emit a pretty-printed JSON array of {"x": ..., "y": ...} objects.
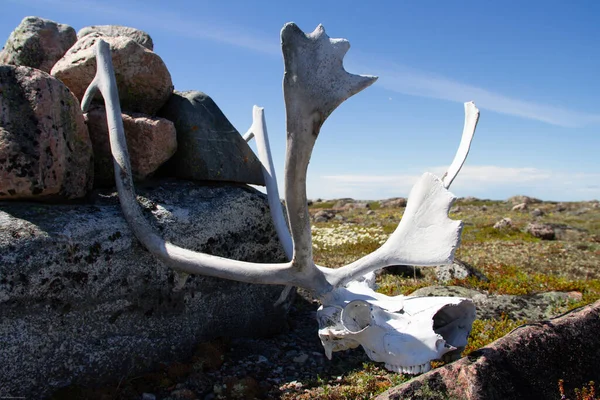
[
  {"x": 136, "y": 35},
  {"x": 151, "y": 141},
  {"x": 45, "y": 149},
  {"x": 37, "y": 43},
  {"x": 525, "y": 364},
  {"x": 143, "y": 81}
]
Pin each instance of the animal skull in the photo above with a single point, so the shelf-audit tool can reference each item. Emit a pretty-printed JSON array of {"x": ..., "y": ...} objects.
[{"x": 405, "y": 333}]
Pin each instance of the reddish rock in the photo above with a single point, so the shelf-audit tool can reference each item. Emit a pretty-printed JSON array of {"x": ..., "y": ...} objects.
[
  {"x": 525, "y": 364},
  {"x": 37, "y": 43},
  {"x": 143, "y": 80},
  {"x": 45, "y": 149},
  {"x": 542, "y": 231},
  {"x": 136, "y": 35},
  {"x": 151, "y": 141}
]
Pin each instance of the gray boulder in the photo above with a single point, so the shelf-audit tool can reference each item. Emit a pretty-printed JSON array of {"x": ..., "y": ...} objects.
[
  {"x": 83, "y": 303},
  {"x": 208, "y": 146},
  {"x": 458, "y": 270},
  {"x": 45, "y": 149},
  {"x": 136, "y": 35},
  {"x": 541, "y": 231},
  {"x": 532, "y": 307},
  {"x": 37, "y": 43}
]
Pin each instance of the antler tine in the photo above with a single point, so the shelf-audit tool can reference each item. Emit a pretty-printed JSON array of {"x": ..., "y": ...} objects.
[
  {"x": 471, "y": 118},
  {"x": 425, "y": 236},
  {"x": 174, "y": 256},
  {"x": 314, "y": 84},
  {"x": 258, "y": 131}
]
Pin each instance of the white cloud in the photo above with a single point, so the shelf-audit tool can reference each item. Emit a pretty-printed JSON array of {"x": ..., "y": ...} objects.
[
  {"x": 407, "y": 80},
  {"x": 480, "y": 180}
]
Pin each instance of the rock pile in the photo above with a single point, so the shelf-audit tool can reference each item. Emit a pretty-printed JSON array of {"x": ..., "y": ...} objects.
[
  {"x": 48, "y": 152},
  {"x": 81, "y": 302}
]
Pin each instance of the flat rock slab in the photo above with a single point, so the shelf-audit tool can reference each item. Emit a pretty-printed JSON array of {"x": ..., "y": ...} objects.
[
  {"x": 208, "y": 146},
  {"x": 525, "y": 364},
  {"x": 82, "y": 302}
]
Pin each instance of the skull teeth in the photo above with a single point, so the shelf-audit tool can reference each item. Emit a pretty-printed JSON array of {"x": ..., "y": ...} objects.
[{"x": 412, "y": 369}]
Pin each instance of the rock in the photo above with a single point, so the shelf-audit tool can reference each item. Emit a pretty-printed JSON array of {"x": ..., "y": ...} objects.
[
  {"x": 361, "y": 205},
  {"x": 537, "y": 213},
  {"x": 37, "y": 43},
  {"x": 136, "y": 35},
  {"x": 143, "y": 80},
  {"x": 323, "y": 216},
  {"x": 208, "y": 146},
  {"x": 45, "y": 149},
  {"x": 395, "y": 202},
  {"x": 523, "y": 199},
  {"x": 542, "y": 231},
  {"x": 455, "y": 210},
  {"x": 568, "y": 233},
  {"x": 483, "y": 208},
  {"x": 83, "y": 303},
  {"x": 468, "y": 199},
  {"x": 504, "y": 223},
  {"x": 520, "y": 207},
  {"x": 341, "y": 203},
  {"x": 533, "y": 307},
  {"x": 581, "y": 211},
  {"x": 458, "y": 270},
  {"x": 560, "y": 207},
  {"x": 525, "y": 364},
  {"x": 371, "y": 212},
  {"x": 151, "y": 142}
]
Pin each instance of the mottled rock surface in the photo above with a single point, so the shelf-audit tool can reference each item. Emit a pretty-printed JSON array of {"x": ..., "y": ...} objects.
[
  {"x": 81, "y": 302},
  {"x": 37, "y": 43},
  {"x": 525, "y": 364},
  {"x": 542, "y": 231},
  {"x": 395, "y": 202},
  {"x": 45, "y": 149},
  {"x": 143, "y": 80},
  {"x": 136, "y": 35},
  {"x": 523, "y": 199},
  {"x": 527, "y": 307},
  {"x": 208, "y": 146},
  {"x": 458, "y": 270},
  {"x": 151, "y": 141}
]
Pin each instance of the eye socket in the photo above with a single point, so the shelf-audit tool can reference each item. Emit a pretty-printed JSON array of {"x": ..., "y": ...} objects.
[{"x": 356, "y": 316}]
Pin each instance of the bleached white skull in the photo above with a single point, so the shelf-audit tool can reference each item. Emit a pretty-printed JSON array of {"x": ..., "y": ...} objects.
[{"x": 405, "y": 333}]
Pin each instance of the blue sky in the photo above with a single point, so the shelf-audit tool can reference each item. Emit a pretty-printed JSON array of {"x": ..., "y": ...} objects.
[{"x": 533, "y": 69}]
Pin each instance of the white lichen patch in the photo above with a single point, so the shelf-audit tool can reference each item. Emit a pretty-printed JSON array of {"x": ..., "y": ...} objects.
[{"x": 345, "y": 234}]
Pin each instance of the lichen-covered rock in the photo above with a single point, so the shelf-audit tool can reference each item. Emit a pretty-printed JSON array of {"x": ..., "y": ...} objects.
[
  {"x": 136, "y": 35},
  {"x": 83, "y": 303},
  {"x": 503, "y": 224},
  {"x": 525, "y": 364},
  {"x": 151, "y": 142},
  {"x": 520, "y": 207},
  {"x": 523, "y": 199},
  {"x": 45, "y": 149},
  {"x": 208, "y": 146},
  {"x": 458, "y": 270},
  {"x": 37, "y": 43},
  {"x": 143, "y": 81}
]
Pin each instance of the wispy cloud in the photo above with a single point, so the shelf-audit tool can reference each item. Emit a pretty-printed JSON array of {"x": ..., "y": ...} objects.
[
  {"x": 499, "y": 182},
  {"x": 411, "y": 81},
  {"x": 394, "y": 77},
  {"x": 165, "y": 20}
]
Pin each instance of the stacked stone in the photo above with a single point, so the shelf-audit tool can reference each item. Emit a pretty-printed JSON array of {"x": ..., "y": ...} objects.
[{"x": 50, "y": 150}]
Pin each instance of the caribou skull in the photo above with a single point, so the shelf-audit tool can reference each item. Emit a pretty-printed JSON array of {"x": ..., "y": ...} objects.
[{"x": 405, "y": 333}]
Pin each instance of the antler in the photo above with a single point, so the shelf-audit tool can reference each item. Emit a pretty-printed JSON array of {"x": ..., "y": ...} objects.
[{"x": 314, "y": 84}]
